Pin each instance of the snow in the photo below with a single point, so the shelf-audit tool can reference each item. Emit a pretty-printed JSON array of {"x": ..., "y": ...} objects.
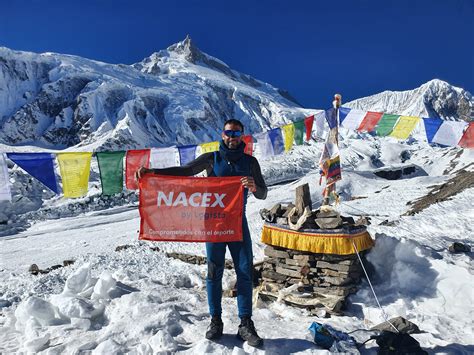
[{"x": 138, "y": 300}]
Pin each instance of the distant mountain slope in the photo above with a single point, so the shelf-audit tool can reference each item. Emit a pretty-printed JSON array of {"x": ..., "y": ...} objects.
[
  {"x": 435, "y": 98},
  {"x": 176, "y": 96}
]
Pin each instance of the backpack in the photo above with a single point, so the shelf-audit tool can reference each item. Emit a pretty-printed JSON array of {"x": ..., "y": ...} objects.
[{"x": 398, "y": 343}]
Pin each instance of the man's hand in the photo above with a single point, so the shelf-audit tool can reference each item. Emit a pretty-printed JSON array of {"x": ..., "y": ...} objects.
[
  {"x": 142, "y": 171},
  {"x": 249, "y": 183}
]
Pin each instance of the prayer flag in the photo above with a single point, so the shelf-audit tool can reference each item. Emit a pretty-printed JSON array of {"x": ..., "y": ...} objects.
[
  {"x": 289, "y": 135},
  {"x": 385, "y": 125},
  {"x": 191, "y": 209},
  {"x": 134, "y": 160},
  {"x": 111, "y": 171},
  {"x": 450, "y": 133},
  {"x": 265, "y": 148},
  {"x": 187, "y": 153},
  {"x": 75, "y": 169},
  {"x": 209, "y": 147},
  {"x": 330, "y": 163},
  {"x": 161, "y": 158},
  {"x": 353, "y": 119},
  {"x": 299, "y": 132},
  {"x": 5, "y": 192},
  {"x": 248, "y": 140},
  {"x": 308, "y": 122},
  {"x": 404, "y": 127},
  {"x": 331, "y": 117},
  {"x": 38, "y": 165},
  {"x": 320, "y": 127},
  {"x": 431, "y": 127},
  {"x": 343, "y": 112},
  {"x": 277, "y": 140},
  {"x": 467, "y": 140},
  {"x": 370, "y": 121}
]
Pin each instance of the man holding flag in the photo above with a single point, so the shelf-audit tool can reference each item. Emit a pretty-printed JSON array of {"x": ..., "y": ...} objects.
[{"x": 230, "y": 160}]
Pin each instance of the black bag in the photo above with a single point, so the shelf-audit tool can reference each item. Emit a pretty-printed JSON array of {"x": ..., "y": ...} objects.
[{"x": 398, "y": 343}]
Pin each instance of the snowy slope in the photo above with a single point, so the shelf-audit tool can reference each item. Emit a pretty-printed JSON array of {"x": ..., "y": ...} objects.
[{"x": 157, "y": 304}]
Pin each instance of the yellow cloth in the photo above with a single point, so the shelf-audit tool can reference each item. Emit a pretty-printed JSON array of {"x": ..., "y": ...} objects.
[
  {"x": 74, "y": 169},
  {"x": 289, "y": 135},
  {"x": 209, "y": 147},
  {"x": 322, "y": 243},
  {"x": 404, "y": 127}
]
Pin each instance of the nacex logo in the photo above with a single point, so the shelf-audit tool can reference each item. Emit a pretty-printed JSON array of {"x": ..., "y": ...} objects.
[{"x": 196, "y": 199}]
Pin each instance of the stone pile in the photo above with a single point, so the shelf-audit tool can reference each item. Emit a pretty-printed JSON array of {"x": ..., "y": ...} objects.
[{"x": 323, "y": 281}]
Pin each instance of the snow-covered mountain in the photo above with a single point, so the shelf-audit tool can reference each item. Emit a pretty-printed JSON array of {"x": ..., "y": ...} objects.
[
  {"x": 179, "y": 95},
  {"x": 176, "y": 96},
  {"x": 436, "y": 98}
]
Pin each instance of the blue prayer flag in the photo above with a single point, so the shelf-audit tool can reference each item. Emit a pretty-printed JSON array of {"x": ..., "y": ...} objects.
[
  {"x": 343, "y": 111},
  {"x": 277, "y": 140},
  {"x": 431, "y": 127},
  {"x": 331, "y": 117},
  {"x": 38, "y": 165},
  {"x": 187, "y": 153}
]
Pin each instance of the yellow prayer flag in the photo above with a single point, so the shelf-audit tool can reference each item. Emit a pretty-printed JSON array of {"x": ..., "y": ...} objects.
[
  {"x": 404, "y": 127},
  {"x": 209, "y": 147},
  {"x": 75, "y": 169},
  {"x": 289, "y": 135}
]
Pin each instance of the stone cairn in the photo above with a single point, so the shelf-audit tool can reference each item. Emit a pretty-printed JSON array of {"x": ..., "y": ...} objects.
[{"x": 321, "y": 282}]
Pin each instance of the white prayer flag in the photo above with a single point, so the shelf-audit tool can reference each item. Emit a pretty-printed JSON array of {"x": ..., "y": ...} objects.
[
  {"x": 353, "y": 119},
  {"x": 5, "y": 192},
  {"x": 163, "y": 157},
  {"x": 320, "y": 125},
  {"x": 450, "y": 133},
  {"x": 264, "y": 145}
]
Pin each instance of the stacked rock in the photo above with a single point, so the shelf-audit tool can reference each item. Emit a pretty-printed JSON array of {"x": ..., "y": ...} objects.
[{"x": 324, "y": 280}]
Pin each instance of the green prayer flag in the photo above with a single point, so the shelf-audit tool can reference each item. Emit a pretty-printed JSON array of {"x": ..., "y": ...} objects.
[
  {"x": 299, "y": 132},
  {"x": 386, "y": 124},
  {"x": 111, "y": 171}
]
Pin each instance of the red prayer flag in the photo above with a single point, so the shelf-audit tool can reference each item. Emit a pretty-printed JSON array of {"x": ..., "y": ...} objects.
[
  {"x": 135, "y": 159},
  {"x": 467, "y": 140},
  {"x": 191, "y": 209},
  {"x": 248, "y": 140},
  {"x": 308, "y": 122},
  {"x": 370, "y": 121}
]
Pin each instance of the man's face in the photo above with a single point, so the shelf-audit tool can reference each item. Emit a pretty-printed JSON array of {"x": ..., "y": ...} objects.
[{"x": 229, "y": 141}]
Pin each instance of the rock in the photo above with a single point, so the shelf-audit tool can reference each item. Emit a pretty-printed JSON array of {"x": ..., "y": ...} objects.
[
  {"x": 457, "y": 247},
  {"x": 274, "y": 253},
  {"x": 34, "y": 269},
  {"x": 68, "y": 262}
]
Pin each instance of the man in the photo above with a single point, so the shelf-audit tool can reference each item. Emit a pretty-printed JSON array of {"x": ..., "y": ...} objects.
[{"x": 230, "y": 160}]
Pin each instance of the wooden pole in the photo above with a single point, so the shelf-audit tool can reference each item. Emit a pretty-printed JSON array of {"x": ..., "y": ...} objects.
[{"x": 335, "y": 137}]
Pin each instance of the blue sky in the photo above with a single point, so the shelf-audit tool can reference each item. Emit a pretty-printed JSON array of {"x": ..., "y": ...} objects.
[{"x": 312, "y": 49}]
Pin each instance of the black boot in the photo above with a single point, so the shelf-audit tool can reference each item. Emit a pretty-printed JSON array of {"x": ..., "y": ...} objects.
[
  {"x": 215, "y": 328},
  {"x": 248, "y": 333}
]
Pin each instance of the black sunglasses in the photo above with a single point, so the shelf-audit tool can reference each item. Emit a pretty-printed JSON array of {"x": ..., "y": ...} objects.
[{"x": 232, "y": 134}]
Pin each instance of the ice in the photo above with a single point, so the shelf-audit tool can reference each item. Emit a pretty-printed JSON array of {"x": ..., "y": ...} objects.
[
  {"x": 162, "y": 341},
  {"x": 80, "y": 282},
  {"x": 104, "y": 286},
  {"x": 43, "y": 312}
]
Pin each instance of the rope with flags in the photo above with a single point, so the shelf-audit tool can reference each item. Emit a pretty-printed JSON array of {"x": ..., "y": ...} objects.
[{"x": 74, "y": 167}]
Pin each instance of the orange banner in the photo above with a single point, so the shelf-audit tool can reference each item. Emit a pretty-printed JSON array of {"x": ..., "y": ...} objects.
[{"x": 191, "y": 209}]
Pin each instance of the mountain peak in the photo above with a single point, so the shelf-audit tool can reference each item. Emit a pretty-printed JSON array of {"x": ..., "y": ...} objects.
[
  {"x": 187, "y": 47},
  {"x": 435, "y": 98}
]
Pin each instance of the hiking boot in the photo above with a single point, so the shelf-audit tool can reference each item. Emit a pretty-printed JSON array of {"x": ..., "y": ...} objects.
[
  {"x": 215, "y": 328},
  {"x": 248, "y": 333}
]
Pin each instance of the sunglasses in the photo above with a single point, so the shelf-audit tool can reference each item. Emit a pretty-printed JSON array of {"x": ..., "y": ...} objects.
[{"x": 232, "y": 134}]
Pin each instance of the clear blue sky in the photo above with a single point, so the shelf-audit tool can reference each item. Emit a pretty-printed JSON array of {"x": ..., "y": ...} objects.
[{"x": 310, "y": 48}]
